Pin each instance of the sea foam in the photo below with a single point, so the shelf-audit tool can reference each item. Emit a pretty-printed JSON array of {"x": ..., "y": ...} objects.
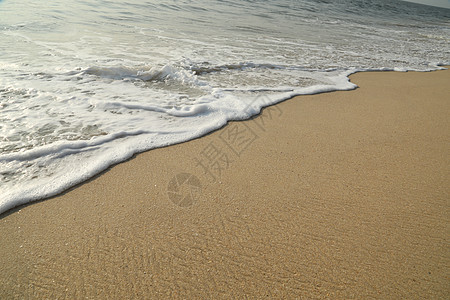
[{"x": 80, "y": 92}]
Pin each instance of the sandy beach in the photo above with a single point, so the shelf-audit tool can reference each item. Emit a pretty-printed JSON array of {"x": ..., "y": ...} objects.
[{"x": 333, "y": 196}]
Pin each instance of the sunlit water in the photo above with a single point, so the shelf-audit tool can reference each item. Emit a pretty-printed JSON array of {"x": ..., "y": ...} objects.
[{"x": 85, "y": 84}]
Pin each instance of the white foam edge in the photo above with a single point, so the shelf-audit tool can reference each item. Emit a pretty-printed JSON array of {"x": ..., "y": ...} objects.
[{"x": 122, "y": 153}]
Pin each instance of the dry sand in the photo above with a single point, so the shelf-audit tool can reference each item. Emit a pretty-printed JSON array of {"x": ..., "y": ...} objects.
[{"x": 337, "y": 195}]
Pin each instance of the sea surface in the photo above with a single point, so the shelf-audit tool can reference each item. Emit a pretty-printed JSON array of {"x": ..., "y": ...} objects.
[{"x": 86, "y": 84}]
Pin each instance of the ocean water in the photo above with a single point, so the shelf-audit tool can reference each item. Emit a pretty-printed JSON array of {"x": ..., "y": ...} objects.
[{"x": 86, "y": 84}]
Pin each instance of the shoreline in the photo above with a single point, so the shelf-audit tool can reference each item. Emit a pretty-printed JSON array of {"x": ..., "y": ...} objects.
[
  {"x": 441, "y": 67},
  {"x": 318, "y": 196}
]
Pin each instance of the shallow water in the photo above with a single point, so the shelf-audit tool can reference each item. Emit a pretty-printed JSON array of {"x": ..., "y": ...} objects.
[{"x": 85, "y": 84}]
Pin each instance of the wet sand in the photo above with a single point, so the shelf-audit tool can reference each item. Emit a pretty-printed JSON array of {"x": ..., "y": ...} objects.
[{"x": 338, "y": 195}]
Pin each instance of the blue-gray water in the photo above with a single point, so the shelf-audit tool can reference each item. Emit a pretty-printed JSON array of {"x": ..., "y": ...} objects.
[{"x": 85, "y": 84}]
